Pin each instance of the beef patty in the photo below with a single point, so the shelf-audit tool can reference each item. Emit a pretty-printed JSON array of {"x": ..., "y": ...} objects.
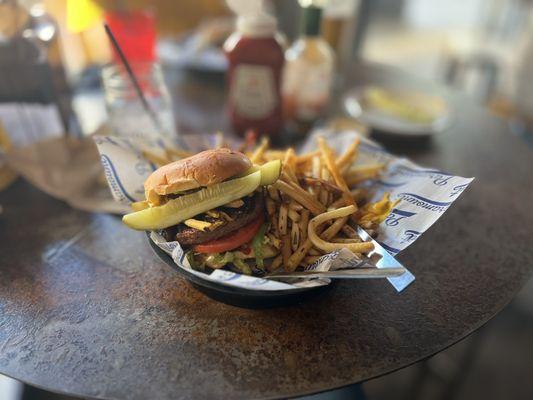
[{"x": 185, "y": 235}]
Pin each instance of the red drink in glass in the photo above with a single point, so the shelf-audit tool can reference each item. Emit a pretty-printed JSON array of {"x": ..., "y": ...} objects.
[{"x": 135, "y": 32}]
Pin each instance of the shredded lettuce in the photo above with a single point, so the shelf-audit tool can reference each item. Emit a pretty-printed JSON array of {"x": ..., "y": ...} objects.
[
  {"x": 242, "y": 266},
  {"x": 196, "y": 264},
  {"x": 218, "y": 260},
  {"x": 257, "y": 246}
]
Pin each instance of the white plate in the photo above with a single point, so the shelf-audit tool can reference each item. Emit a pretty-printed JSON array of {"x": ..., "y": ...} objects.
[{"x": 355, "y": 106}]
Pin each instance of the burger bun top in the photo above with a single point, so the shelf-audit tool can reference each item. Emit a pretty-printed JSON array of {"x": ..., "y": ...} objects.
[{"x": 203, "y": 169}]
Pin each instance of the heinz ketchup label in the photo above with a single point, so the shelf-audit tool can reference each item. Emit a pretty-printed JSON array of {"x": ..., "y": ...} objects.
[{"x": 253, "y": 91}]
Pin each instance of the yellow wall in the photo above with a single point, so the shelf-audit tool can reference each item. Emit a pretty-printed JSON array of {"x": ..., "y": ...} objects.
[
  {"x": 173, "y": 16},
  {"x": 91, "y": 46}
]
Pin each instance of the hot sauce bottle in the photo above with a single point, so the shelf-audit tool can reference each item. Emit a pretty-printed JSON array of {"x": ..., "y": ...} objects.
[
  {"x": 255, "y": 57},
  {"x": 308, "y": 73}
]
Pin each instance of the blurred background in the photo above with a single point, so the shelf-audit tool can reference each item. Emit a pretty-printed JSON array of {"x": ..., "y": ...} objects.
[{"x": 480, "y": 49}]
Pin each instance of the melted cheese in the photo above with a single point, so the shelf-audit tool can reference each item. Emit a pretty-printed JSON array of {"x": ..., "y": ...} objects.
[{"x": 197, "y": 224}]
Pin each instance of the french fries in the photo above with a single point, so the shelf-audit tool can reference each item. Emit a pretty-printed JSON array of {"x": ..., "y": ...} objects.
[
  {"x": 176, "y": 154},
  {"x": 310, "y": 260},
  {"x": 296, "y": 258},
  {"x": 304, "y": 223},
  {"x": 288, "y": 162},
  {"x": 348, "y": 157},
  {"x": 282, "y": 219},
  {"x": 334, "y": 171},
  {"x": 285, "y": 249},
  {"x": 314, "y": 206},
  {"x": 275, "y": 264},
  {"x": 301, "y": 196},
  {"x": 326, "y": 246},
  {"x": 294, "y": 216},
  {"x": 295, "y": 237},
  {"x": 274, "y": 194},
  {"x": 362, "y": 173},
  {"x": 170, "y": 155},
  {"x": 155, "y": 159},
  {"x": 258, "y": 154},
  {"x": 270, "y": 206}
]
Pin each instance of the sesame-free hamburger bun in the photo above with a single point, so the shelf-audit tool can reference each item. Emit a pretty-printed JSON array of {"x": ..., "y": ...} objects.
[{"x": 203, "y": 169}]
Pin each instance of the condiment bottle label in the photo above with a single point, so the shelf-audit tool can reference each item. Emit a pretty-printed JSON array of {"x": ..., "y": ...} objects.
[
  {"x": 253, "y": 91},
  {"x": 307, "y": 87}
]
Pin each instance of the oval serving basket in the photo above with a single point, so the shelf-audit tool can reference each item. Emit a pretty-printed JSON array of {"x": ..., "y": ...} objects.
[{"x": 240, "y": 297}]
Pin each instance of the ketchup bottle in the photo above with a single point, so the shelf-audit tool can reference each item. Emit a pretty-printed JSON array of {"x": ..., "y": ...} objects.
[{"x": 255, "y": 57}]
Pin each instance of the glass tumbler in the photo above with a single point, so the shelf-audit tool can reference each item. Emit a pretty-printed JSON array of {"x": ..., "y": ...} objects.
[{"x": 127, "y": 115}]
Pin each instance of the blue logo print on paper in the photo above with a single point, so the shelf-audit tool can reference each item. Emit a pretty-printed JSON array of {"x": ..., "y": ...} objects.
[
  {"x": 422, "y": 202},
  {"x": 390, "y": 249},
  {"x": 391, "y": 184},
  {"x": 105, "y": 139},
  {"x": 228, "y": 276},
  {"x": 457, "y": 190},
  {"x": 143, "y": 167},
  {"x": 439, "y": 178},
  {"x": 396, "y": 215},
  {"x": 114, "y": 182},
  {"x": 410, "y": 235}
]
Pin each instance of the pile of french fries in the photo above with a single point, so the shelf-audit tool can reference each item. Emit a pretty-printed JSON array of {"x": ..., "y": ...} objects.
[
  {"x": 315, "y": 205},
  {"x": 317, "y": 202},
  {"x": 175, "y": 154}
]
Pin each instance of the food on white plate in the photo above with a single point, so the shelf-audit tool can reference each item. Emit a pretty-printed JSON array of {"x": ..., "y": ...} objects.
[{"x": 414, "y": 107}]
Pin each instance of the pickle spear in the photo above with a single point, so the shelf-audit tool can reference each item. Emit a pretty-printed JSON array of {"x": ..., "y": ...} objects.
[
  {"x": 270, "y": 172},
  {"x": 187, "y": 206}
]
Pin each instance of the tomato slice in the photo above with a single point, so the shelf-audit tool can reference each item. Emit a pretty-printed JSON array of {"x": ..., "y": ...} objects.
[{"x": 232, "y": 240}]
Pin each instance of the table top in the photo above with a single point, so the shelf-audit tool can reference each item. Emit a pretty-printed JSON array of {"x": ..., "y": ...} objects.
[{"x": 87, "y": 309}]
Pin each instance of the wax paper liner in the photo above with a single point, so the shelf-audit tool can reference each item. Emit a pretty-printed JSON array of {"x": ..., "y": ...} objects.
[{"x": 424, "y": 193}]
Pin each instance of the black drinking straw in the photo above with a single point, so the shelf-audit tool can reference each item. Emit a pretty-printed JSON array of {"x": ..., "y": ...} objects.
[{"x": 133, "y": 78}]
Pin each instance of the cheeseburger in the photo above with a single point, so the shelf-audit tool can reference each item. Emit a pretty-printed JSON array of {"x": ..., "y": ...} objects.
[{"x": 212, "y": 204}]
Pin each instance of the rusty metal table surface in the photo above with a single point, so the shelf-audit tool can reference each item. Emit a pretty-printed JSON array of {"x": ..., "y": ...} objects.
[{"x": 87, "y": 309}]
